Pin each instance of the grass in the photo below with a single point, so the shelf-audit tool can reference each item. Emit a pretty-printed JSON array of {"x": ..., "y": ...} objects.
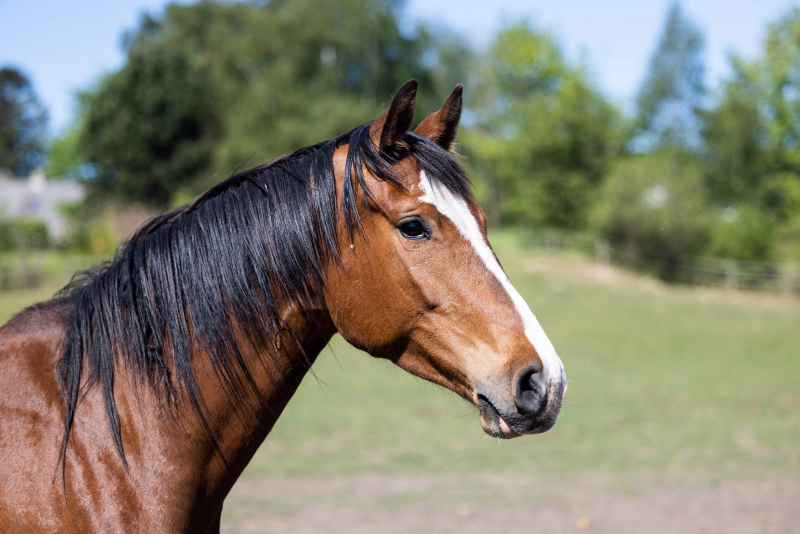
[{"x": 661, "y": 378}]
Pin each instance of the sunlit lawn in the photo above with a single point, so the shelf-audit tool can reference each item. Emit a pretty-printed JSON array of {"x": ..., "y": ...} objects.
[{"x": 660, "y": 377}]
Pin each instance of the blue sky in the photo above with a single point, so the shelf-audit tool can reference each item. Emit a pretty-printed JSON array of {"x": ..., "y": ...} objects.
[{"x": 65, "y": 45}]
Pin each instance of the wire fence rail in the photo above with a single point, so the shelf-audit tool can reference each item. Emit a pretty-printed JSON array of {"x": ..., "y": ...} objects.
[{"x": 715, "y": 272}]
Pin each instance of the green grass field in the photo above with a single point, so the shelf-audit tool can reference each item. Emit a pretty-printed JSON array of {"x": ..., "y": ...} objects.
[{"x": 661, "y": 378}]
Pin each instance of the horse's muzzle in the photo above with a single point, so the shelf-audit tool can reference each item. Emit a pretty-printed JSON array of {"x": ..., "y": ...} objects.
[{"x": 533, "y": 409}]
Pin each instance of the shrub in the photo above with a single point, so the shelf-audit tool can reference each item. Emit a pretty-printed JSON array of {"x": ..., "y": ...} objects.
[
  {"x": 23, "y": 234},
  {"x": 652, "y": 211},
  {"x": 100, "y": 229},
  {"x": 743, "y": 233}
]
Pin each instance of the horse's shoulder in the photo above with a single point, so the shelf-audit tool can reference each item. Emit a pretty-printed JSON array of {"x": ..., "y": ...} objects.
[
  {"x": 34, "y": 333},
  {"x": 40, "y": 317},
  {"x": 30, "y": 416}
]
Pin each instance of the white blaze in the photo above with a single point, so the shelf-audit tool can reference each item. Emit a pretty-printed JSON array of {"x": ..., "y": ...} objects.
[{"x": 456, "y": 209}]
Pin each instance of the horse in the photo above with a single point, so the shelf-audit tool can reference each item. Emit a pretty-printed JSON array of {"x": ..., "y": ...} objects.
[{"x": 133, "y": 400}]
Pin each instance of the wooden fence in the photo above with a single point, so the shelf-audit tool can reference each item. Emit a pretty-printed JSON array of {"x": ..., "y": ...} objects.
[{"x": 717, "y": 272}]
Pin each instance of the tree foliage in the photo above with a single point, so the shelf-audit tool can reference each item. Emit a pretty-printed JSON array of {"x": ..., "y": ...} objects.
[
  {"x": 214, "y": 85},
  {"x": 151, "y": 127},
  {"x": 22, "y": 123},
  {"x": 64, "y": 158},
  {"x": 779, "y": 74},
  {"x": 544, "y": 135},
  {"x": 753, "y": 133},
  {"x": 672, "y": 94},
  {"x": 734, "y": 133},
  {"x": 652, "y": 209},
  {"x": 751, "y": 140}
]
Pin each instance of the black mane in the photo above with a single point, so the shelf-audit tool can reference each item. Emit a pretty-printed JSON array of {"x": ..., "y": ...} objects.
[{"x": 188, "y": 279}]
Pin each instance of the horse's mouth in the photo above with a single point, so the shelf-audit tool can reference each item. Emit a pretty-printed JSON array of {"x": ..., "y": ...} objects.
[
  {"x": 511, "y": 425},
  {"x": 492, "y": 422}
]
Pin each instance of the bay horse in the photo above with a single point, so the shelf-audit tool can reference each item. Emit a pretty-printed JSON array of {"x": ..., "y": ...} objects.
[{"x": 133, "y": 400}]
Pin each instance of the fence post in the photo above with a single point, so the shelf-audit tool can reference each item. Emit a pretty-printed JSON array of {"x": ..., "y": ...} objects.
[
  {"x": 790, "y": 278},
  {"x": 731, "y": 275},
  {"x": 550, "y": 244},
  {"x": 602, "y": 251}
]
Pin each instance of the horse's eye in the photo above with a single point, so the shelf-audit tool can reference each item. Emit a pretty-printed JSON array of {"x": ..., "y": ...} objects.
[{"x": 413, "y": 229}]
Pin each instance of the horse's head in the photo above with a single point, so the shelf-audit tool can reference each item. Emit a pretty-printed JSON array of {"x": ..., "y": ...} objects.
[{"x": 422, "y": 287}]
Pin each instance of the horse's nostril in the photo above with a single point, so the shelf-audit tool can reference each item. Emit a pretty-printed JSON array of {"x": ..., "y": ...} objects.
[
  {"x": 533, "y": 384},
  {"x": 529, "y": 389},
  {"x": 528, "y": 380}
]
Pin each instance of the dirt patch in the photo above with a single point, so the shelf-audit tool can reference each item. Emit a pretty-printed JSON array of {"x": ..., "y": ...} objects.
[{"x": 501, "y": 503}]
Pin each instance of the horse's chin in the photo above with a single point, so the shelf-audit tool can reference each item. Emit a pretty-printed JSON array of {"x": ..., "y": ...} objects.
[
  {"x": 493, "y": 423},
  {"x": 498, "y": 428}
]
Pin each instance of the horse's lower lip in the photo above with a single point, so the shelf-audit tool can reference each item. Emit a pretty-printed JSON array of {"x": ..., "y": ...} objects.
[
  {"x": 492, "y": 415},
  {"x": 507, "y": 430}
]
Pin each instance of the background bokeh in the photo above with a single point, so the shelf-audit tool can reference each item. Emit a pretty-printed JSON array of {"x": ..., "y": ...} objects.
[{"x": 643, "y": 191}]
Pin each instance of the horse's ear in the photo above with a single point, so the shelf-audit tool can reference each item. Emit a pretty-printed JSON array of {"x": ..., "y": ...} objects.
[
  {"x": 441, "y": 126},
  {"x": 387, "y": 132}
]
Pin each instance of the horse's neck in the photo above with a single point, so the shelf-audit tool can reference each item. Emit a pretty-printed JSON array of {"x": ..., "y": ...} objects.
[{"x": 277, "y": 375}]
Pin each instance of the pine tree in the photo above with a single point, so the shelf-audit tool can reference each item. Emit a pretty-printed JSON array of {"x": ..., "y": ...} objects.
[{"x": 671, "y": 96}]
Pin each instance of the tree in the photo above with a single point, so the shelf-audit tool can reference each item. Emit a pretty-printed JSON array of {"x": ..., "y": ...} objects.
[
  {"x": 672, "y": 94},
  {"x": 64, "y": 159},
  {"x": 779, "y": 70},
  {"x": 544, "y": 135},
  {"x": 777, "y": 73},
  {"x": 22, "y": 123},
  {"x": 751, "y": 137},
  {"x": 151, "y": 127},
  {"x": 256, "y": 80},
  {"x": 734, "y": 133}
]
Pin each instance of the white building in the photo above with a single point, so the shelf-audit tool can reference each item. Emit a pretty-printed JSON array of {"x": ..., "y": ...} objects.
[{"x": 36, "y": 197}]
